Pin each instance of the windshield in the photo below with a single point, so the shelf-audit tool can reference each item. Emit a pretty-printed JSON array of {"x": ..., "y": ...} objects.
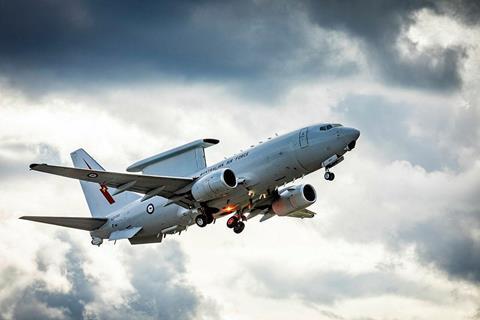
[{"x": 329, "y": 126}]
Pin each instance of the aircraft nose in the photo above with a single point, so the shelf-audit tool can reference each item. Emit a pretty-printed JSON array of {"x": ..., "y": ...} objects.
[
  {"x": 354, "y": 133},
  {"x": 351, "y": 135}
]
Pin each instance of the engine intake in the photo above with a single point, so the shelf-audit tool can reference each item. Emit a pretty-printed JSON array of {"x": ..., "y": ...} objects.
[
  {"x": 293, "y": 199},
  {"x": 214, "y": 185}
]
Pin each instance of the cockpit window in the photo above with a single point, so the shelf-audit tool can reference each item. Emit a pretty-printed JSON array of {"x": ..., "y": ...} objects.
[{"x": 329, "y": 126}]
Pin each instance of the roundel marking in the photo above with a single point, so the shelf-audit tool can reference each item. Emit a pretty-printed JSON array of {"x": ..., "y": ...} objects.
[
  {"x": 150, "y": 208},
  {"x": 92, "y": 175}
]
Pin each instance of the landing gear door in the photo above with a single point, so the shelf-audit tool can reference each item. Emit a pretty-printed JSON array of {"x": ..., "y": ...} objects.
[{"x": 303, "y": 137}]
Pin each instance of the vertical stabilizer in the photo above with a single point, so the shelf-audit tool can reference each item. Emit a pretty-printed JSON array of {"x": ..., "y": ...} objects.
[{"x": 99, "y": 197}]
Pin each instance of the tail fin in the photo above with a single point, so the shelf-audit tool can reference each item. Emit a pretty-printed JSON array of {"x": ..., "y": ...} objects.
[{"x": 99, "y": 197}]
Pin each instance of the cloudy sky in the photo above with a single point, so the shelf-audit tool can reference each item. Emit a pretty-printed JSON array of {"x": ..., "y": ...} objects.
[{"x": 397, "y": 235}]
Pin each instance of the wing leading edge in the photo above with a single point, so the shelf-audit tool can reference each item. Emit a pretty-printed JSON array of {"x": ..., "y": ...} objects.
[{"x": 163, "y": 186}]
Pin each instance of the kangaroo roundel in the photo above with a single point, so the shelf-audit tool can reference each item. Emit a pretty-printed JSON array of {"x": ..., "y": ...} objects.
[{"x": 150, "y": 208}]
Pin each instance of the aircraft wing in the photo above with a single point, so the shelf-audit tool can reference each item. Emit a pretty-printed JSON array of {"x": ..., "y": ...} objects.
[
  {"x": 82, "y": 223},
  {"x": 163, "y": 186},
  {"x": 304, "y": 213}
]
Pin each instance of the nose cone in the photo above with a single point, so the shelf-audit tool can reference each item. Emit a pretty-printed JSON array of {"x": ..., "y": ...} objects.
[
  {"x": 350, "y": 137},
  {"x": 354, "y": 133},
  {"x": 350, "y": 134}
]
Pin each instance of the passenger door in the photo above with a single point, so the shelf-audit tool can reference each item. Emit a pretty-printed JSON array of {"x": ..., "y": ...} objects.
[{"x": 303, "y": 137}]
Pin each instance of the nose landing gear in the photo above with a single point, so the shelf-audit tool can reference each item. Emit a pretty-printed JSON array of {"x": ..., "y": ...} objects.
[
  {"x": 328, "y": 164},
  {"x": 329, "y": 175}
]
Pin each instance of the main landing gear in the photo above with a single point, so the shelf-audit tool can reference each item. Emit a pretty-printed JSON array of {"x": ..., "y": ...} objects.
[
  {"x": 329, "y": 175},
  {"x": 235, "y": 223},
  {"x": 203, "y": 219}
]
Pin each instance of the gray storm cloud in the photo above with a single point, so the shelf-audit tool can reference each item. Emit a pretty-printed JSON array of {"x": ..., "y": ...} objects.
[
  {"x": 159, "y": 292},
  {"x": 250, "y": 43},
  {"x": 448, "y": 242},
  {"x": 380, "y": 26}
]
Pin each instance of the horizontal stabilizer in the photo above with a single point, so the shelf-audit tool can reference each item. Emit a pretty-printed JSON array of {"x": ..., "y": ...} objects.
[
  {"x": 81, "y": 223},
  {"x": 124, "y": 234}
]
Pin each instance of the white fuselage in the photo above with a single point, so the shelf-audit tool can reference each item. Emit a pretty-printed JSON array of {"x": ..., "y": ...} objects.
[{"x": 259, "y": 170}]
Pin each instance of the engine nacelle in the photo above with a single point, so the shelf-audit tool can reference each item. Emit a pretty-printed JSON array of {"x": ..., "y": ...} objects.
[
  {"x": 96, "y": 241},
  {"x": 293, "y": 199},
  {"x": 214, "y": 185}
]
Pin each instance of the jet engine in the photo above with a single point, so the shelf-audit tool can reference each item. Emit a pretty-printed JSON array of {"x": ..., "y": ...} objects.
[
  {"x": 214, "y": 185},
  {"x": 293, "y": 199}
]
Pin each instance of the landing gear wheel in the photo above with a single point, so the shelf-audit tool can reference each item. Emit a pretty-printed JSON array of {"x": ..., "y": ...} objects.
[
  {"x": 239, "y": 227},
  {"x": 232, "y": 221},
  {"x": 209, "y": 218},
  {"x": 329, "y": 176},
  {"x": 201, "y": 220}
]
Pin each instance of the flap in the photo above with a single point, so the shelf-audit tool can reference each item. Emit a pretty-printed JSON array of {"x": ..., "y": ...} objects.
[
  {"x": 303, "y": 213},
  {"x": 124, "y": 234},
  {"x": 146, "y": 239}
]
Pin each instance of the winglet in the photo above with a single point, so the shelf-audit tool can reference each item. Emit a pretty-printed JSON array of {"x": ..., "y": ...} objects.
[{"x": 33, "y": 165}]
